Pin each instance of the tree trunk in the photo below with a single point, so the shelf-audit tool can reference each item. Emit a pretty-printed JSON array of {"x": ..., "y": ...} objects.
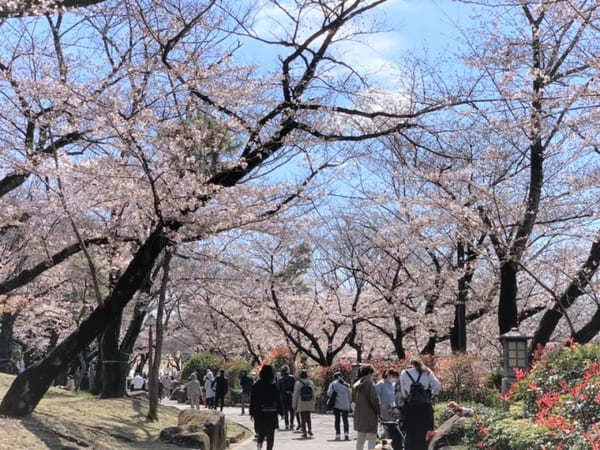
[
  {"x": 6, "y": 342},
  {"x": 128, "y": 343},
  {"x": 113, "y": 385},
  {"x": 96, "y": 381},
  {"x": 552, "y": 317},
  {"x": 589, "y": 331},
  {"x": 155, "y": 367},
  {"x": 458, "y": 332},
  {"x": 507, "y": 306},
  {"x": 429, "y": 348},
  {"x": 30, "y": 386},
  {"x": 398, "y": 339}
]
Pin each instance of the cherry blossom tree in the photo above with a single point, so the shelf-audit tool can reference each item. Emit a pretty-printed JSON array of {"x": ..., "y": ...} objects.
[{"x": 133, "y": 92}]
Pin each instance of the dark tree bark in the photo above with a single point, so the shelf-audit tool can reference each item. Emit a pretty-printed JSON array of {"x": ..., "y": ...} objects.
[
  {"x": 507, "y": 306},
  {"x": 576, "y": 288},
  {"x": 30, "y": 386},
  {"x": 7, "y": 324},
  {"x": 458, "y": 332},
  {"x": 589, "y": 331},
  {"x": 113, "y": 386},
  {"x": 155, "y": 367}
]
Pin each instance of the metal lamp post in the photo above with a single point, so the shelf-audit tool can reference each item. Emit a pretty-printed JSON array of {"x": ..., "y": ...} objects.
[{"x": 515, "y": 355}]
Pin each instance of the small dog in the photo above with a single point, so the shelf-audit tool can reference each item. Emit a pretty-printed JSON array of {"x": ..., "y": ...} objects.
[{"x": 384, "y": 444}]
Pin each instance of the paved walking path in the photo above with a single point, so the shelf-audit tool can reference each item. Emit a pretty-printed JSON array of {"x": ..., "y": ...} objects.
[{"x": 287, "y": 440}]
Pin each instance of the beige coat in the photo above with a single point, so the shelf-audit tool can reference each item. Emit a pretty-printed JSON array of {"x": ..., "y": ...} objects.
[
  {"x": 193, "y": 388},
  {"x": 366, "y": 410},
  {"x": 298, "y": 404}
]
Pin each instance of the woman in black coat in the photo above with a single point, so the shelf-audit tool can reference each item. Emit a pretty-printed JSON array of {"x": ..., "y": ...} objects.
[{"x": 265, "y": 406}]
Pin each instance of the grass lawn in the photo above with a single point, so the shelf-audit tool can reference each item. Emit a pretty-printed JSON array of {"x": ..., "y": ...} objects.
[{"x": 67, "y": 420}]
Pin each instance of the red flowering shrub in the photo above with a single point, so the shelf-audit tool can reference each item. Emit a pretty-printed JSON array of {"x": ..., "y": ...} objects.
[
  {"x": 279, "y": 357},
  {"x": 561, "y": 402},
  {"x": 323, "y": 376}
]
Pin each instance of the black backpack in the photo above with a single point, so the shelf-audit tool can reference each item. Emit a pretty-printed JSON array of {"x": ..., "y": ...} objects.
[
  {"x": 418, "y": 395},
  {"x": 306, "y": 392}
]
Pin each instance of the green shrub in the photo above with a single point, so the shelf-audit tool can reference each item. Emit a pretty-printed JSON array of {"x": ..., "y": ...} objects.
[
  {"x": 233, "y": 369},
  {"x": 200, "y": 364}
]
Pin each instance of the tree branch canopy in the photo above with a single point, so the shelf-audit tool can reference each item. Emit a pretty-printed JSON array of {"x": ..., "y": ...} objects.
[{"x": 39, "y": 7}]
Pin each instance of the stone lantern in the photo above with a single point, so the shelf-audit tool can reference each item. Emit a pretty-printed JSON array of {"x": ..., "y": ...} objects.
[{"x": 516, "y": 355}]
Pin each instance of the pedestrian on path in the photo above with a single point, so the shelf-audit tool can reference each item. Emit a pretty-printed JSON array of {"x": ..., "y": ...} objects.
[
  {"x": 193, "y": 390},
  {"x": 390, "y": 414},
  {"x": 286, "y": 386},
  {"x": 246, "y": 384},
  {"x": 221, "y": 386},
  {"x": 367, "y": 410},
  {"x": 339, "y": 395},
  {"x": 209, "y": 392},
  {"x": 419, "y": 385},
  {"x": 304, "y": 402},
  {"x": 265, "y": 405}
]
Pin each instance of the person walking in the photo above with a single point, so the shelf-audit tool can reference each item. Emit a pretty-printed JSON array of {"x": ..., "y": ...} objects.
[
  {"x": 303, "y": 402},
  {"x": 265, "y": 405},
  {"x": 340, "y": 397},
  {"x": 418, "y": 386},
  {"x": 209, "y": 391},
  {"x": 193, "y": 390},
  {"x": 390, "y": 413},
  {"x": 367, "y": 409},
  {"x": 221, "y": 386},
  {"x": 246, "y": 384},
  {"x": 286, "y": 385}
]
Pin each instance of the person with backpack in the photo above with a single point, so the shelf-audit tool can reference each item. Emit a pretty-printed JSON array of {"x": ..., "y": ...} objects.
[
  {"x": 265, "y": 405},
  {"x": 339, "y": 400},
  {"x": 304, "y": 402},
  {"x": 286, "y": 384},
  {"x": 220, "y": 386},
  {"x": 366, "y": 410},
  {"x": 418, "y": 386}
]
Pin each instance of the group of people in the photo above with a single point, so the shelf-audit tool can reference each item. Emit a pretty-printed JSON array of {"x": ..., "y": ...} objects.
[
  {"x": 215, "y": 390},
  {"x": 292, "y": 398},
  {"x": 400, "y": 403}
]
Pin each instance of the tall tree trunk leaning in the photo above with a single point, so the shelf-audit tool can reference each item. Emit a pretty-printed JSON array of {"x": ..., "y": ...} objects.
[
  {"x": 30, "y": 386},
  {"x": 589, "y": 331},
  {"x": 574, "y": 290},
  {"x": 155, "y": 366}
]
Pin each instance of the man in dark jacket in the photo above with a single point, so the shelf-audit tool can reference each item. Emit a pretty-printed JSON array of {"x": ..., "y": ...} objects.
[
  {"x": 221, "y": 386},
  {"x": 286, "y": 388},
  {"x": 246, "y": 384},
  {"x": 265, "y": 405}
]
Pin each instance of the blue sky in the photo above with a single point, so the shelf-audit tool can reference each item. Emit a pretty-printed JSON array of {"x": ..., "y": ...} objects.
[{"x": 425, "y": 28}]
